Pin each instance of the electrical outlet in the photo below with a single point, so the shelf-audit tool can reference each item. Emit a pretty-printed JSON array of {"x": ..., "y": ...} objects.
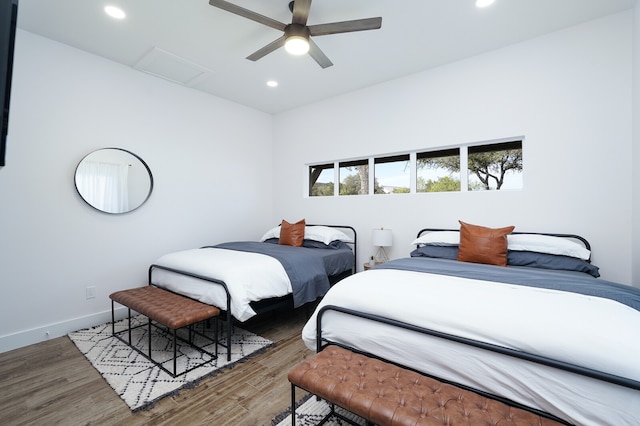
[{"x": 91, "y": 292}]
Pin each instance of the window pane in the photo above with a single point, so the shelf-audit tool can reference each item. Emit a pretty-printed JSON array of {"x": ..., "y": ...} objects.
[
  {"x": 321, "y": 180},
  {"x": 495, "y": 167},
  {"x": 354, "y": 177},
  {"x": 438, "y": 171},
  {"x": 392, "y": 175}
]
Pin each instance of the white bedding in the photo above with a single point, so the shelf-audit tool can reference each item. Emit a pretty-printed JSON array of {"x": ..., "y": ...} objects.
[
  {"x": 249, "y": 277},
  {"x": 588, "y": 331}
]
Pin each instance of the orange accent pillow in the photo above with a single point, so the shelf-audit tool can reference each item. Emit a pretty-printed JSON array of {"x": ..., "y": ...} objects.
[
  {"x": 483, "y": 245},
  {"x": 292, "y": 234}
]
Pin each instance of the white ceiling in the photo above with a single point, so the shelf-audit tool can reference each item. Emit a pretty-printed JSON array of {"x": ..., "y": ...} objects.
[{"x": 205, "y": 47}]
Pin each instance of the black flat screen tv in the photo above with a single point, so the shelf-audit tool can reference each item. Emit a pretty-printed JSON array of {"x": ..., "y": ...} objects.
[{"x": 8, "y": 21}]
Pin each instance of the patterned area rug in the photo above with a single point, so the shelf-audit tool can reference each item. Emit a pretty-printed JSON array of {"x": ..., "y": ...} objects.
[
  {"x": 310, "y": 411},
  {"x": 138, "y": 381}
]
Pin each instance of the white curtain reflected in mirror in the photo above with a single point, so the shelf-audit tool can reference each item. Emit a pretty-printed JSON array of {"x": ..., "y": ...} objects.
[
  {"x": 104, "y": 185},
  {"x": 113, "y": 180}
]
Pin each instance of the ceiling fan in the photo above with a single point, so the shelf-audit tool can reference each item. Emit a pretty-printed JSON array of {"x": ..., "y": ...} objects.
[{"x": 297, "y": 34}]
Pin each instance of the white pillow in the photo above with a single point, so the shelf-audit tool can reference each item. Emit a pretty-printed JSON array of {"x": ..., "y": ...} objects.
[
  {"x": 439, "y": 238},
  {"x": 547, "y": 244},
  {"x": 271, "y": 233},
  {"x": 324, "y": 234}
]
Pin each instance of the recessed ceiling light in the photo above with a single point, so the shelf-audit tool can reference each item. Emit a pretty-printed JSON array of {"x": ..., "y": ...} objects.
[
  {"x": 484, "y": 3},
  {"x": 272, "y": 83},
  {"x": 115, "y": 12}
]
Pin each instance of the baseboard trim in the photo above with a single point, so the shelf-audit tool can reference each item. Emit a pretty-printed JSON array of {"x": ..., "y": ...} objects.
[{"x": 20, "y": 339}]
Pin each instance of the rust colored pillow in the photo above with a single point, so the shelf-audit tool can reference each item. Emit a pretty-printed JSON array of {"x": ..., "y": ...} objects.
[
  {"x": 292, "y": 234},
  {"x": 483, "y": 245}
]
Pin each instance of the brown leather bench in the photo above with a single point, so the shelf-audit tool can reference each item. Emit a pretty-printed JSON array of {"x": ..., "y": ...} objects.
[
  {"x": 386, "y": 394},
  {"x": 169, "y": 309}
]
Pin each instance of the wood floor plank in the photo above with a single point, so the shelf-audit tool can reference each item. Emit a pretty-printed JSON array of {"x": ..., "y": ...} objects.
[{"x": 52, "y": 383}]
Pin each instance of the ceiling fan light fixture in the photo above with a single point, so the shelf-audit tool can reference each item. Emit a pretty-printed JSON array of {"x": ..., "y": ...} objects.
[
  {"x": 115, "y": 12},
  {"x": 484, "y": 3},
  {"x": 296, "y": 45}
]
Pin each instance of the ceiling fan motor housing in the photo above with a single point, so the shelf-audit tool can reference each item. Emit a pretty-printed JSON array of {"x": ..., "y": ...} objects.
[{"x": 296, "y": 30}]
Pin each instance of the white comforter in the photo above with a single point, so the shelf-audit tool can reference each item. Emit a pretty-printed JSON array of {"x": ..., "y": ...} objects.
[
  {"x": 584, "y": 330},
  {"x": 248, "y": 276}
]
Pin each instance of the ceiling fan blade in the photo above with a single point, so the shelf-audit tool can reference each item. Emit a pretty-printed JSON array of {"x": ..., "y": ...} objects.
[
  {"x": 301, "y": 11},
  {"x": 260, "y": 53},
  {"x": 346, "y": 26},
  {"x": 318, "y": 55},
  {"x": 246, "y": 13}
]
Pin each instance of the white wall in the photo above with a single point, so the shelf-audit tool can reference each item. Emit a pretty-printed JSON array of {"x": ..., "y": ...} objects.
[
  {"x": 568, "y": 93},
  {"x": 207, "y": 165},
  {"x": 636, "y": 145}
]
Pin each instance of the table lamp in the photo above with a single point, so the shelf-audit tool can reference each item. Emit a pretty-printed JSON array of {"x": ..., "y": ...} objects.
[{"x": 382, "y": 238}]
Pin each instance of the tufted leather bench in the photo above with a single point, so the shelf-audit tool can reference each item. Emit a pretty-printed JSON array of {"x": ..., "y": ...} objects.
[
  {"x": 386, "y": 394},
  {"x": 169, "y": 309}
]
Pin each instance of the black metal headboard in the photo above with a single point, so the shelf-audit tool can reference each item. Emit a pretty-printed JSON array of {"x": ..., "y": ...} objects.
[{"x": 568, "y": 236}]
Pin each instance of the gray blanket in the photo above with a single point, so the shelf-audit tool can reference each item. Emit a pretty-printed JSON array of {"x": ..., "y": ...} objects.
[
  {"x": 576, "y": 282},
  {"x": 304, "y": 267}
]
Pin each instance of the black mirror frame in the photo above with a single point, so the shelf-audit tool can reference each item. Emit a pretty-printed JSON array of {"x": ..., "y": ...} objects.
[{"x": 151, "y": 182}]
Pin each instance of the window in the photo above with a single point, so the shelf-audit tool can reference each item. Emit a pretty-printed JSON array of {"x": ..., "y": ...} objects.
[
  {"x": 321, "y": 180},
  {"x": 490, "y": 167},
  {"x": 438, "y": 171},
  {"x": 494, "y": 167},
  {"x": 392, "y": 175},
  {"x": 354, "y": 177}
]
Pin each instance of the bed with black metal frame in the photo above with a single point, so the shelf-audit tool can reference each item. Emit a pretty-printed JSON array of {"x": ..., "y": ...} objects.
[
  {"x": 586, "y": 371},
  {"x": 262, "y": 306}
]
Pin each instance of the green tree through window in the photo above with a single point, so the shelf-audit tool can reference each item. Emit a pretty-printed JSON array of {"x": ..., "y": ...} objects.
[
  {"x": 488, "y": 167},
  {"x": 438, "y": 171},
  {"x": 321, "y": 180},
  {"x": 492, "y": 164},
  {"x": 354, "y": 177}
]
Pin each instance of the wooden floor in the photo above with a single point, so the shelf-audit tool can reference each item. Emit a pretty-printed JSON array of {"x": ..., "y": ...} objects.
[{"x": 52, "y": 383}]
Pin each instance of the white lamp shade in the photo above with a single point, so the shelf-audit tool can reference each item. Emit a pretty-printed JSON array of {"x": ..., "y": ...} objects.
[{"x": 382, "y": 237}]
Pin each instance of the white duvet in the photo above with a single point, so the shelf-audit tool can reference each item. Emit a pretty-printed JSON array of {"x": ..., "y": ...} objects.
[
  {"x": 248, "y": 276},
  {"x": 588, "y": 331}
]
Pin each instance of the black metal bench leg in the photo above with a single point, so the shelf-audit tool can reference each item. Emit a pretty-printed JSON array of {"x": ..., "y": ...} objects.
[
  {"x": 215, "y": 333},
  {"x": 113, "y": 320},
  {"x": 175, "y": 345},
  {"x": 129, "y": 316},
  {"x": 293, "y": 405}
]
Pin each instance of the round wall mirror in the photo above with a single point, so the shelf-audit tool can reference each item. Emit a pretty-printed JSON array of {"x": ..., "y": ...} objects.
[{"x": 113, "y": 180}]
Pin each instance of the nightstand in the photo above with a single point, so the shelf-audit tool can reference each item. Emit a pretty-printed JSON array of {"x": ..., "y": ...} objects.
[{"x": 367, "y": 266}]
